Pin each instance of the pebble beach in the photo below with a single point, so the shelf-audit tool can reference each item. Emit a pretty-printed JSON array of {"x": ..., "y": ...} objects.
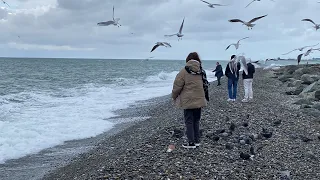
[{"x": 279, "y": 137}]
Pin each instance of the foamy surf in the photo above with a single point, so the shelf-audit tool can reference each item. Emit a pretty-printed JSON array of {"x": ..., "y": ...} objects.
[{"x": 33, "y": 121}]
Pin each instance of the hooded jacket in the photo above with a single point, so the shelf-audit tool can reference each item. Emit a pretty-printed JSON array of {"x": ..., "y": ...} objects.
[
  {"x": 233, "y": 72},
  {"x": 251, "y": 71},
  {"x": 189, "y": 86}
]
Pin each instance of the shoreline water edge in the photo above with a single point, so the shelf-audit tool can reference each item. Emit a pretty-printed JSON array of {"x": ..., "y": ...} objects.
[{"x": 140, "y": 151}]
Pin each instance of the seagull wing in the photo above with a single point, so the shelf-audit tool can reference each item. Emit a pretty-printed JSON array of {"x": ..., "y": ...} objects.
[
  {"x": 257, "y": 18},
  {"x": 250, "y": 3},
  {"x": 219, "y": 5},
  {"x": 113, "y": 13},
  {"x": 166, "y": 44},
  {"x": 107, "y": 23},
  {"x": 236, "y": 20},
  {"x": 170, "y": 35},
  {"x": 289, "y": 52},
  {"x": 154, "y": 47},
  {"x": 310, "y": 46},
  {"x": 205, "y": 2},
  {"x": 181, "y": 27},
  {"x": 6, "y": 4},
  {"x": 230, "y": 45},
  {"x": 243, "y": 39},
  {"x": 299, "y": 58},
  {"x": 308, "y": 20},
  {"x": 116, "y": 19}
]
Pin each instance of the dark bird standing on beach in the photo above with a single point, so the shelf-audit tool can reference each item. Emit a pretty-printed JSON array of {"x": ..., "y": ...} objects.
[
  {"x": 265, "y": 133},
  {"x": 245, "y": 156},
  {"x": 248, "y": 24},
  {"x": 232, "y": 127}
]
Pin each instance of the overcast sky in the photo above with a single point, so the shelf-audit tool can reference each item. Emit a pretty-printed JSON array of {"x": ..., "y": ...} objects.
[{"x": 68, "y": 28}]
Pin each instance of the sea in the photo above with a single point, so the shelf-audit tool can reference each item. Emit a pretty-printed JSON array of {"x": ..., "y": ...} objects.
[{"x": 46, "y": 102}]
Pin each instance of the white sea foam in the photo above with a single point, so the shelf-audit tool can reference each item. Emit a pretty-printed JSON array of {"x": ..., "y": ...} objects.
[{"x": 33, "y": 121}]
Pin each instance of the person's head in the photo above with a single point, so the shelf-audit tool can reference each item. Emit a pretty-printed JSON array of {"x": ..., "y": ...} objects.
[
  {"x": 217, "y": 63},
  {"x": 193, "y": 56},
  {"x": 232, "y": 57}
]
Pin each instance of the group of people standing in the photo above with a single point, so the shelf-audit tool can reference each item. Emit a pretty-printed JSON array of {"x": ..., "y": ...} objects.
[
  {"x": 190, "y": 90},
  {"x": 232, "y": 73}
]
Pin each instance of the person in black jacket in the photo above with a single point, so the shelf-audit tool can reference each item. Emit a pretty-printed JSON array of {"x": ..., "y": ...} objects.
[
  {"x": 219, "y": 72},
  {"x": 232, "y": 72},
  {"x": 247, "y": 75}
]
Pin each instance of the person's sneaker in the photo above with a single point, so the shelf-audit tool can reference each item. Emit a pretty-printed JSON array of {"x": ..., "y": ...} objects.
[
  {"x": 197, "y": 144},
  {"x": 245, "y": 100},
  {"x": 230, "y": 100},
  {"x": 189, "y": 145},
  {"x": 233, "y": 100}
]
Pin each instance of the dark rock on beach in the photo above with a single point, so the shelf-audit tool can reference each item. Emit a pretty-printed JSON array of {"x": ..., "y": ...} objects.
[{"x": 140, "y": 151}]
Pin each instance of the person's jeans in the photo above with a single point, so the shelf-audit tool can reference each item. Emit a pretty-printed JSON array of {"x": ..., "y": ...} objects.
[
  {"x": 219, "y": 77},
  {"x": 247, "y": 84},
  {"x": 232, "y": 88},
  {"x": 192, "y": 120}
]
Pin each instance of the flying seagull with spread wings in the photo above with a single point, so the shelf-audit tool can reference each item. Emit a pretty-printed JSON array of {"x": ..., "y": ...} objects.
[
  {"x": 236, "y": 45},
  {"x": 254, "y": 1},
  {"x": 179, "y": 34},
  {"x": 4, "y": 2},
  {"x": 165, "y": 44},
  {"x": 212, "y": 5},
  {"x": 316, "y": 26},
  {"x": 306, "y": 54},
  {"x": 300, "y": 49},
  {"x": 248, "y": 24},
  {"x": 114, "y": 21}
]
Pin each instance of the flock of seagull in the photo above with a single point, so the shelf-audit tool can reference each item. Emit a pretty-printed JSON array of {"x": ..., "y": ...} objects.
[{"x": 249, "y": 24}]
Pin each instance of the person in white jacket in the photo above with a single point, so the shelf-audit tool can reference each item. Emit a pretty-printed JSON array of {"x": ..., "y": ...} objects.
[{"x": 247, "y": 76}]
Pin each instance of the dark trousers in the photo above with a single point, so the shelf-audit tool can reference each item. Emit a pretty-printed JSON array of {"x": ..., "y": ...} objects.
[
  {"x": 192, "y": 119},
  {"x": 219, "y": 77}
]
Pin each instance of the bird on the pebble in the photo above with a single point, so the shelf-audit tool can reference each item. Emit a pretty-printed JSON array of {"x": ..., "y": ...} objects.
[
  {"x": 305, "y": 139},
  {"x": 278, "y": 122},
  {"x": 265, "y": 133},
  {"x": 232, "y": 127},
  {"x": 245, "y": 124},
  {"x": 252, "y": 150},
  {"x": 229, "y": 146},
  {"x": 245, "y": 156}
]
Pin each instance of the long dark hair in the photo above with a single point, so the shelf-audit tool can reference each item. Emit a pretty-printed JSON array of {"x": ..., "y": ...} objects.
[{"x": 194, "y": 56}]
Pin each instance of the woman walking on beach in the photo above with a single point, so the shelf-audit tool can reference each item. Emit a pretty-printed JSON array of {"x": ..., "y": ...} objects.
[
  {"x": 247, "y": 76},
  {"x": 190, "y": 93},
  {"x": 232, "y": 72},
  {"x": 219, "y": 72}
]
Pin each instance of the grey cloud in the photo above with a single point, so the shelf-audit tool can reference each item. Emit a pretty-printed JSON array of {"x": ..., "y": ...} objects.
[{"x": 73, "y": 23}]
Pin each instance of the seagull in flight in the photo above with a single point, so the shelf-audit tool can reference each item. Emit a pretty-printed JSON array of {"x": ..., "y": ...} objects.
[
  {"x": 212, "y": 5},
  {"x": 306, "y": 53},
  {"x": 300, "y": 49},
  {"x": 114, "y": 21},
  {"x": 236, "y": 45},
  {"x": 165, "y": 44},
  {"x": 179, "y": 34},
  {"x": 316, "y": 26},
  {"x": 5, "y": 3},
  {"x": 248, "y": 24},
  {"x": 254, "y": 1}
]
